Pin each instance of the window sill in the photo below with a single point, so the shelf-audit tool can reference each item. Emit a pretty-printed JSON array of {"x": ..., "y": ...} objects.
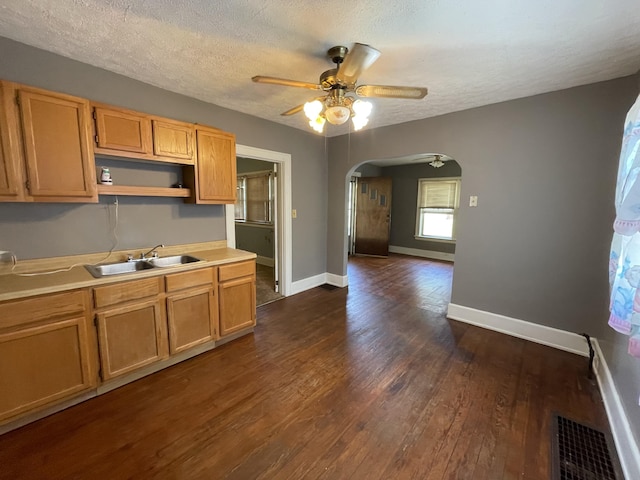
[{"x": 435, "y": 239}]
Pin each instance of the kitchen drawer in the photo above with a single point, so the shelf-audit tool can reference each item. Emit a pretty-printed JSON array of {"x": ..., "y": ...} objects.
[
  {"x": 126, "y": 291},
  {"x": 236, "y": 270},
  {"x": 193, "y": 278},
  {"x": 48, "y": 307}
]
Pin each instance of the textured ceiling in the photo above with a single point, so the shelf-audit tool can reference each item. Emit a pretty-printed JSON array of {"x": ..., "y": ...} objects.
[{"x": 468, "y": 53}]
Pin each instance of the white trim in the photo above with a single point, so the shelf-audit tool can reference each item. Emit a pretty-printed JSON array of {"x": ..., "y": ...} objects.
[
  {"x": 266, "y": 261},
  {"x": 230, "y": 221},
  {"x": 308, "y": 283},
  {"x": 552, "y": 337},
  {"x": 626, "y": 445},
  {"x": 284, "y": 214},
  {"x": 337, "y": 280},
  {"x": 417, "y": 252}
]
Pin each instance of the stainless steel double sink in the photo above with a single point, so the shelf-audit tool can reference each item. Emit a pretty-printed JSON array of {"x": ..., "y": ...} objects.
[{"x": 131, "y": 266}]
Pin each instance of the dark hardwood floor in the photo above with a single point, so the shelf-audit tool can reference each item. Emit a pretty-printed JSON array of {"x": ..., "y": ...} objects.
[{"x": 369, "y": 382}]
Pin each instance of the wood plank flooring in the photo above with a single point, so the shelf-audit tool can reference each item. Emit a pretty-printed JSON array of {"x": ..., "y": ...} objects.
[{"x": 369, "y": 382}]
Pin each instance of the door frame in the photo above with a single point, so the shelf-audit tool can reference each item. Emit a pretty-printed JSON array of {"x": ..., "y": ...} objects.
[{"x": 283, "y": 206}]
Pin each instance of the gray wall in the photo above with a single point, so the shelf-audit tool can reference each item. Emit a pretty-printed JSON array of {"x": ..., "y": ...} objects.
[
  {"x": 52, "y": 229},
  {"x": 536, "y": 248},
  {"x": 404, "y": 203},
  {"x": 248, "y": 237}
]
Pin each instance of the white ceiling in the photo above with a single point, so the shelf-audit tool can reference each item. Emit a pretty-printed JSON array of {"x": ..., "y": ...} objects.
[{"x": 468, "y": 53}]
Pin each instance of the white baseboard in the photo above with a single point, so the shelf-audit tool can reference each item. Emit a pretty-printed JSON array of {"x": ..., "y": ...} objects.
[
  {"x": 337, "y": 280},
  {"x": 317, "y": 280},
  {"x": 417, "y": 252},
  {"x": 308, "y": 283},
  {"x": 552, "y": 337},
  {"x": 626, "y": 446},
  {"x": 266, "y": 261}
]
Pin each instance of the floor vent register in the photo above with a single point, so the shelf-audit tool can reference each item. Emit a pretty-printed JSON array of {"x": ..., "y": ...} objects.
[{"x": 582, "y": 453}]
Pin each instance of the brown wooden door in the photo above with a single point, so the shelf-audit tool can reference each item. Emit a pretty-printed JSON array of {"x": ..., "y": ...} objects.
[
  {"x": 57, "y": 146},
  {"x": 373, "y": 216},
  {"x": 216, "y": 166}
]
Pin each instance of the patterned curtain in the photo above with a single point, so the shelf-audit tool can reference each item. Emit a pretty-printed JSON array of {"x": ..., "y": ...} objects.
[{"x": 624, "y": 264}]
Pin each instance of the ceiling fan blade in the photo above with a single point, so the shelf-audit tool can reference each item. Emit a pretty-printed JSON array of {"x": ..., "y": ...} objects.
[
  {"x": 358, "y": 59},
  {"x": 390, "y": 91},
  {"x": 298, "y": 108},
  {"x": 285, "y": 82},
  {"x": 293, "y": 110}
]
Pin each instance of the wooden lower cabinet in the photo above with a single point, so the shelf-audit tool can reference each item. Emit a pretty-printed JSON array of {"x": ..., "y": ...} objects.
[
  {"x": 192, "y": 308},
  {"x": 45, "y": 353},
  {"x": 131, "y": 337},
  {"x": 132, "y": 327},
  {"x": 192, "y": 318},
  {"x": 237, "y": 297}
]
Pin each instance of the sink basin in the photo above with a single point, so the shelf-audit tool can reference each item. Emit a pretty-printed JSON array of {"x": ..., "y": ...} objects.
[
  {"x": 117, "y": 268},
  {"x": 172, "y": 261}
]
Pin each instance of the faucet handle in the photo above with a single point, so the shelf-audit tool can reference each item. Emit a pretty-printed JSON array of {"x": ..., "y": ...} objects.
[
  {"x": 154, "y": 255},
  {"x": 129, "y": 257}
]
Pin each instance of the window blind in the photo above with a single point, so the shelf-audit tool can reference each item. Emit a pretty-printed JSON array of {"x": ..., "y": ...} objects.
[{"x": 438, "y": 194}]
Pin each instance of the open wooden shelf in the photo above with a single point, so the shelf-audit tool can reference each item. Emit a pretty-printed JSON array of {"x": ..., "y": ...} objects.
[{"x": 143, "y": 191}]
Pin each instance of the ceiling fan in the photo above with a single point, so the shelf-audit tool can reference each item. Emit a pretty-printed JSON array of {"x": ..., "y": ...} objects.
[{"x": 339, "y": 83}]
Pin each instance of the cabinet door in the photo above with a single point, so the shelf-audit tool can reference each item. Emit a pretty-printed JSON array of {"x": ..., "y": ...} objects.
[
  {"x": 192, "y": 318},
  {"x": 43, "y": 364},
  {"x": 131, "y": 337},
  {"x": 59, "y": 155},
  {"x": 237, "y": 305},
  {"x": 124, "y": 131},
  {"x": 174, "y": 140},
  {"x": 11, "y": 183},
  {"x": 216, "y": 166}
]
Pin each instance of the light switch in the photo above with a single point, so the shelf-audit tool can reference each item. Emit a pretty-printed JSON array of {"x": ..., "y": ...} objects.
[
  {"x": 294, "y": 213},
  {"x": 473, "y": 201}
]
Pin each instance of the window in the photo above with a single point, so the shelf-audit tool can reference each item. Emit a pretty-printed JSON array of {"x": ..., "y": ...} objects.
[
  {"x": 254, "y": 202},
  {"x": 438, "y": 201}
]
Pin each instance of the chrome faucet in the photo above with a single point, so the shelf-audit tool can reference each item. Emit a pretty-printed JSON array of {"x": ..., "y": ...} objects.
[{"x": 143, "y": 256}]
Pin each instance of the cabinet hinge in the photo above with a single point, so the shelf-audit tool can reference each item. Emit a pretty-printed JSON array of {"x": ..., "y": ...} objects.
[
  {"x": 97, "y": 141},
  {"x": 18, "y": 99},
  {"x": 27, "y": 185},
  {"x": 95, "y": 115}
]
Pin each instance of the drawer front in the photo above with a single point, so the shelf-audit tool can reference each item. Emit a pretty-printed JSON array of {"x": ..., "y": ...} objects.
[
  {"x": 236, "y": 270},
  {"x": 126, "y": 291},
  {"x": 180, "y": 281},
  {"x": 48, "y": 307}
]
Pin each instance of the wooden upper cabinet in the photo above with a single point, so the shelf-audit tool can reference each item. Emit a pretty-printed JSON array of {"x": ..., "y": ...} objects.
[
  {"x": 122, "y": 130},
  {"x": 216, "y": 166},
  {"x": 58, "y": 150},
  {"x": 173, "y": 139},
  {"x": 130, "y": 134},
  {"x": 11, "y": 176}
]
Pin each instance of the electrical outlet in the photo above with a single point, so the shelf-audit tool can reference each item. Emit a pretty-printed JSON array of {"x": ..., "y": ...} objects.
[
  {"x": 294, "y": 213},
  {"x": 473, "y": 201}
]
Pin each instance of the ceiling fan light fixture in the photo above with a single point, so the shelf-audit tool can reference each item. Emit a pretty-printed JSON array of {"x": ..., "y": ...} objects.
[
  {"x": 437, "y": 163},
  {"x": 337, "y": 114},
  {"x": 317, "y": 124},
  {"x": 312, "y": 110}
]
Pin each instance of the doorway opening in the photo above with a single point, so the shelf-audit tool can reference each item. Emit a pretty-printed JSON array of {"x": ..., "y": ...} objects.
[
  {"x": 258, "y": 222},
  {"x": 423, "y": 206}
]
